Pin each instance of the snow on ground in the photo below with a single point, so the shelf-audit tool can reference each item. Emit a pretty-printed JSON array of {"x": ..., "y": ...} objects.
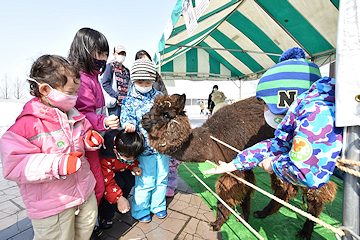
[{"x": 11, "y": 109}]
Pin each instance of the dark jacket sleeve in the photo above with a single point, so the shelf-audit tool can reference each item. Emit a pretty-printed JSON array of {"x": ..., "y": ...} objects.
[
  {"x": 106, "y": 81},
  {"x": 107, "y": 150},
  {"x": 159, "y": 84},
  {"x": 209, "y": 101}
]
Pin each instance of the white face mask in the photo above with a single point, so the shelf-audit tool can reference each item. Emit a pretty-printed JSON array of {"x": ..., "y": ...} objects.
[
  {"x": 120, "y": 58},
  {"x": 142, "y": 89},
  {"x": 272, "y": 119}
]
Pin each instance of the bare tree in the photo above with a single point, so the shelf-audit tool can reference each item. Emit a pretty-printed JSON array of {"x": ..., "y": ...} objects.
[
  {"x": 18, "y": 88},
  {"x": 5, "y": 88}
]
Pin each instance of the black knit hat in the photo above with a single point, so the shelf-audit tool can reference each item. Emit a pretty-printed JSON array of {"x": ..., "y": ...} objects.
[{"x": 143, "y": 69}]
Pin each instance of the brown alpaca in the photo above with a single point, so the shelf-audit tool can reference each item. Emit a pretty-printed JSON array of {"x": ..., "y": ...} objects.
[{"x": 240, "y": 124}]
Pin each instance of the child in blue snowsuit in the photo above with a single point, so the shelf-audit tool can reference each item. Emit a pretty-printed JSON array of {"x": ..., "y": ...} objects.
[
  {"x": 150, "y": 188},
  {"x": 306, "y": 143}
]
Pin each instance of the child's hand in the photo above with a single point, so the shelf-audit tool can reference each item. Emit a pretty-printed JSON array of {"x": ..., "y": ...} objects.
[
  {"x": 266, "y": 165},
  {"x": 123, "y": 205},
  {"x": 112, "y": 122},
  {"x": 70, "y": 163},
  {"x": 93, "y": 139},
  {"x": 129, "y": 127},
  {"x": 137, "y": 171},
  {"x": 223, "y": 167}
]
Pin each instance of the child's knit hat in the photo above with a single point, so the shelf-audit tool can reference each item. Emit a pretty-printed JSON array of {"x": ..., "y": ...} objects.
[
  {"x": 281, "y": 84},
  {"x": 143, "y": 69}
]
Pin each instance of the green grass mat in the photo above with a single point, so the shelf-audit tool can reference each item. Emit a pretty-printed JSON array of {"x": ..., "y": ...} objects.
[{"x": 282, "y": 225}]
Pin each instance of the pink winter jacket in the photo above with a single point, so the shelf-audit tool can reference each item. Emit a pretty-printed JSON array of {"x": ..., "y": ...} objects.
[
  {"x": 91, "y": 100},
  {"x": 30, "y": 154}
]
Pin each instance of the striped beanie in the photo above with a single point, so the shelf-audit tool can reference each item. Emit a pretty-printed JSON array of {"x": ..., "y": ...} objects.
[
  {"x": 281, "y": 84},
  {"x": 143, "y": 69}
]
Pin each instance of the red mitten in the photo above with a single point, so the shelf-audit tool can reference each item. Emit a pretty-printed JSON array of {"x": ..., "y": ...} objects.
[
  {"x": 70, "y": 163},
  {"x": 93, "y": 139}
]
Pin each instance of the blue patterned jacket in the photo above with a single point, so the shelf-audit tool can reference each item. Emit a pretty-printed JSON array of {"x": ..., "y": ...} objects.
[
  {"x": 133, "y": 107},
  {"x": 306, "y": 143}
]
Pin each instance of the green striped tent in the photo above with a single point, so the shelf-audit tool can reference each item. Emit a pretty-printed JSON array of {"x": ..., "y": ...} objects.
[{"x": 241, "y": 39}]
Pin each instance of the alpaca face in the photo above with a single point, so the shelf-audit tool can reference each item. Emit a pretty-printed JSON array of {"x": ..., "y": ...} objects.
[
  {"x": 164, "y": 110},
  {"x": 166, "y": 123}
]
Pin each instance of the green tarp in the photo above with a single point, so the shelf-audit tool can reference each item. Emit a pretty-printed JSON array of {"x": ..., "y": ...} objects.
[
  {"x": 280, "y": 226},
  {"x": 241, "y": 39}
]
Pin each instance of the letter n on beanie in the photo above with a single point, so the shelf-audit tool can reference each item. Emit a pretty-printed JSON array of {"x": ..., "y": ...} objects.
[{"x": 281, "y": 84}]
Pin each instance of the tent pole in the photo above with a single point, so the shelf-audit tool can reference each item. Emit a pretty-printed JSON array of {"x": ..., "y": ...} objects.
[
  {"x": 347, "y": 46},
  {"x": 351, "y": 198},
  {"x": 240, "y": 90},
  {"x": 332, "y": 69}
]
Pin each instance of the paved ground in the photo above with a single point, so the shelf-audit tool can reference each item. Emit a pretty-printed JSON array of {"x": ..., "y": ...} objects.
[{"x": 188, "y": 216}]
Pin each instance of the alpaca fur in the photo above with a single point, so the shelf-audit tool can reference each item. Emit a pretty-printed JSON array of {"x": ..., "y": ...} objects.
[{"x": 241, "y": 125}]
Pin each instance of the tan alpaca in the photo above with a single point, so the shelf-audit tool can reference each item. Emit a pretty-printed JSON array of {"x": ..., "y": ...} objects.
[{"x": 218, "y": 98}]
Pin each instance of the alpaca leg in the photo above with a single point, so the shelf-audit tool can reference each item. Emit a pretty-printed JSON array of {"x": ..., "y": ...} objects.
[
  {"x": 314, "y": 208},
  {"x": 316, "y": 199},
  {"x": 246, "y": 201},
  {"x": 222, "y": 214},
  {"x": 232, "y": 192},
  {"x": 283, "y": 190},
  {"x": 246, "y": 205}
]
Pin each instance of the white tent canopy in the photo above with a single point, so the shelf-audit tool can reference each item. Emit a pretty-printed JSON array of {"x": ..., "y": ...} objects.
[{"x": 240, "y": 39}]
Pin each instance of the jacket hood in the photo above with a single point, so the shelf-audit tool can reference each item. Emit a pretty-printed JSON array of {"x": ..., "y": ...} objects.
[
  {"x": 39, "y": 110},
  {"x": 36, "y": 108},
  {"x": 324, "y": 86}
]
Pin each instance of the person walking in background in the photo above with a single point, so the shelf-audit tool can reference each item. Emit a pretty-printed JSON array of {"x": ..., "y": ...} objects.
[
  {"x": 44, "y": 153},
  {"x": 88, "y": 53},
  {"x": 202, "y": 107},
  {"x": 150, "y": 188},
  {"x": 119, "y": 164},
  {"x": 116, "y": 80},
  {"x": 211, "y": 104},
  {"x": 159, "y": 83}
]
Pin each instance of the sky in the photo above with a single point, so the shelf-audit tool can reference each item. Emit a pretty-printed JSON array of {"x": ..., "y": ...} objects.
[{"x": 30, "y": 29}]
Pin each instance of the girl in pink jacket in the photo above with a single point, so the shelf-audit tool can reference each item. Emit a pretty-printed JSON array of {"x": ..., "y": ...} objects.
[
  {"x": 88, "y": 53},
  {"x": 43, "y": 152}
]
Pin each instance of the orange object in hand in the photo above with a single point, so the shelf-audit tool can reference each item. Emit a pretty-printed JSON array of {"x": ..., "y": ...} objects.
[
  {"x": 70, "y": 163},
  {"x": 94, "y": 139}
]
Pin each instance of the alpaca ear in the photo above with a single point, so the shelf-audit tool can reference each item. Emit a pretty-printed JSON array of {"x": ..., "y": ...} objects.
[{"x": 182, "y": 101}]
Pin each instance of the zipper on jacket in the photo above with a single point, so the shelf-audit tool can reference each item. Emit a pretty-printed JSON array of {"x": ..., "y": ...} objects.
[
  {"x": 58, "y": 112},
  {"x": 39, "y": 192},
  {"x": 79, "y": 188},
  {"x": 71, "y": 123}
]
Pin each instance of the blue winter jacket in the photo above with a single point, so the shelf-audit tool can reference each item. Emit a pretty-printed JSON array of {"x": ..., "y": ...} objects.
[{"x": 133, "y": 107}]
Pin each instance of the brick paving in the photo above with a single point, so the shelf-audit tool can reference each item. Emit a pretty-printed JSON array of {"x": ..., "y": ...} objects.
[{"x": 188, "y": 216}]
